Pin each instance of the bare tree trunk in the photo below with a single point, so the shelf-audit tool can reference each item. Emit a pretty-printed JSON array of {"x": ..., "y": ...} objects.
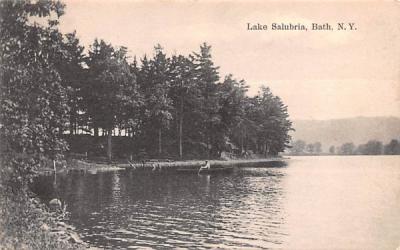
[
  {"x": 180, "y": 136},
  {"x": 242, "y": 142},
  {"x": 181, "y": 129},
  {"x": 159, "y": 142},
  {"x": 265, "y": 148},
  {"x": 177, "y": 122},
  {"x": 208, "y": 147},
  {"x": 245, "y": 139},
  {"x": 96, "y": 131},
  {"x": 109, "y": 144},
  {"x": 71, "y": 125}
]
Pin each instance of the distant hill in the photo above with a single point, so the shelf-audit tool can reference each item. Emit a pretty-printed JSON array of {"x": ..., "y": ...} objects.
[{"x": 357, "y": 130}]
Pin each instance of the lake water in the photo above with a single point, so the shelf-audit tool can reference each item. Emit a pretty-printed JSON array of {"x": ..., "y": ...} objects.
[{"x": 344, "y": 202}]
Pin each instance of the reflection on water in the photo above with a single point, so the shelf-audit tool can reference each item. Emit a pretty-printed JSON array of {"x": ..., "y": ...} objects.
[{"x": 314, "y": 202}]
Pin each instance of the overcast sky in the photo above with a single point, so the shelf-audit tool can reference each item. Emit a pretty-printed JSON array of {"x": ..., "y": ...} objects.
[{"x": 318, "y": 74}]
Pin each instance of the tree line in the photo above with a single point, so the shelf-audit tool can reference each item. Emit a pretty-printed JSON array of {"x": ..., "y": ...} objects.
[
  {"x": 175, "y": 105},
  {"x": 170, "y": 105},
  {"x": 372, "y": 147},
  {"x": 300, "y": 147}
]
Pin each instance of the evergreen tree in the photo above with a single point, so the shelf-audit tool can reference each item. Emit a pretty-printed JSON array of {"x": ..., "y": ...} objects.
[
  {"x": 155, "y": 85},
  {"x": 184, "y": 94},
  {"x": 232, "y": 103},
  {"x": 69, "y": 63},
  {"x": 272, "y": 120},
  {"x": 133, "y": 121},
  {"x": 207, "y": 77},
  {"x": 110, "y": 90}
]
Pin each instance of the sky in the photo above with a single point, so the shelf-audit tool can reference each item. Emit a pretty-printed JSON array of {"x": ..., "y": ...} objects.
[{"x": 327, "y": 74}]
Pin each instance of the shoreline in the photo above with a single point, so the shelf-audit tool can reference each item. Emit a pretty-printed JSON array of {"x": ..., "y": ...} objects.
[
  {"x": 198, "y": 163},
  {"x": 44, "y": 229},
  {"x": 82, "y": 165}
]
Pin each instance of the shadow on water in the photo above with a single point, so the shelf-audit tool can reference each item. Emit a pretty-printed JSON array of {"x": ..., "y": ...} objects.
[{"x": 143, "y": 209}]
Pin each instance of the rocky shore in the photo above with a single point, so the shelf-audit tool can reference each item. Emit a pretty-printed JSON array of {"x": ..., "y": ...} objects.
[
  {"x": 27, "y": 223},
  {"x": 55, "y": 226}
]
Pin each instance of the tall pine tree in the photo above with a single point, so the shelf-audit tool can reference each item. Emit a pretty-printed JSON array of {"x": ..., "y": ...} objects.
[{"x": 207, "y": 77}]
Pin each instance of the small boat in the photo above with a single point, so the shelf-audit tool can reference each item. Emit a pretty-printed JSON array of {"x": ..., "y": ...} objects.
[{"x": 212, "y": 170}]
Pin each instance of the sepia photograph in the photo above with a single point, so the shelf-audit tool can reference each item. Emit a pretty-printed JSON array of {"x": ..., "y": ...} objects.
[{"x": 199, "y": 124}]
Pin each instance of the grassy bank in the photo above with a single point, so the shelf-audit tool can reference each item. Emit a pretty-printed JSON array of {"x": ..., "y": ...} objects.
[{"x": 25, "y": 223}]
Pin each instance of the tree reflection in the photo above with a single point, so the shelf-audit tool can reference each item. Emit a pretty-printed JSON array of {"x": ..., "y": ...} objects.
[{"x": 176, "y": 210}]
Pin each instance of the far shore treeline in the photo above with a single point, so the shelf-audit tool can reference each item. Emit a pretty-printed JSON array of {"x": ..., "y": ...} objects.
[
  {"x": 372, "y": 147},
  {"x": 56, "y": 98}
]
